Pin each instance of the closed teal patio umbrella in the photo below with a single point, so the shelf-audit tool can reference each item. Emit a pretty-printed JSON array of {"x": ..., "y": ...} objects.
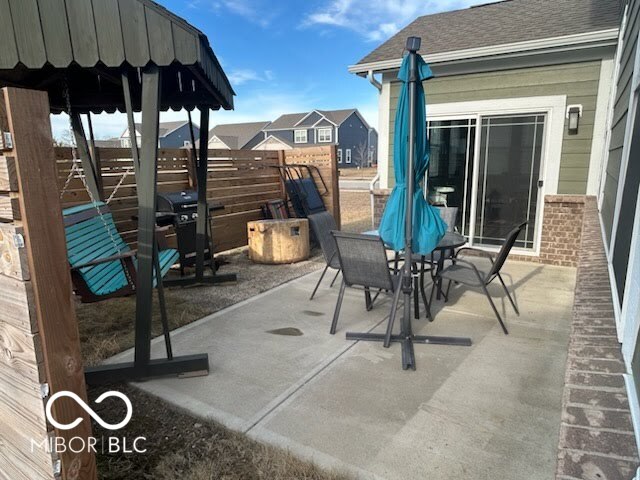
[
  {"x": 411, "y": 158},
  {"x": 427, "y": 226}
]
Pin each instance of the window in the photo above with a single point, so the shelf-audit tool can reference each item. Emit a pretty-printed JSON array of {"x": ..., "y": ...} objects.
[
  {"x": 348, "y": 160},
  {"x": 324, "y": 135},
  {"x": 339, "y": 155},
  {"x": 125, "y": 142},
  {"x": 300, "y": 136}
]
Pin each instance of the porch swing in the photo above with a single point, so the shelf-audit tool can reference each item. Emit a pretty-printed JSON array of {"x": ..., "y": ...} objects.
[{"x": 102, "y": 265}]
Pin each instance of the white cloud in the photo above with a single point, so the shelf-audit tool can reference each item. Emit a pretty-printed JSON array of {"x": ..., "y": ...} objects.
[
  {"x": 259, "y": 12},
  {"x": 377, "y": 20},
  {"x": 245, "y": 75}
]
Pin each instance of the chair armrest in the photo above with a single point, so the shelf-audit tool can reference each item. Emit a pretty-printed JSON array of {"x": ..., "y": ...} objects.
[
  {"x": 123, "y": 256},
  {"x": 481, "y": 253}
]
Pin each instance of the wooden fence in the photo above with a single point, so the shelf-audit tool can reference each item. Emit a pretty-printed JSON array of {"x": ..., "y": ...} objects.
[{"x": 241, "y": 180}]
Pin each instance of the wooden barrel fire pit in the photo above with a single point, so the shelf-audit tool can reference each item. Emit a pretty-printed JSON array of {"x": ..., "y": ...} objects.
[{"x": 278, "y": 241}]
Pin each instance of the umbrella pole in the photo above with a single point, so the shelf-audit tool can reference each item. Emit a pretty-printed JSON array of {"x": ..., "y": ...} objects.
[{"x": 408, "y": 356}]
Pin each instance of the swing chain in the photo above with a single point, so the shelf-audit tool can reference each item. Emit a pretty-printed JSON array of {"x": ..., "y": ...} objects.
[{"x": 75, "y": 168}]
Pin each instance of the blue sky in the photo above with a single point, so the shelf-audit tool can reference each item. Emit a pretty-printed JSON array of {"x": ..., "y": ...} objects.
[{"x": 290, "y": 55}]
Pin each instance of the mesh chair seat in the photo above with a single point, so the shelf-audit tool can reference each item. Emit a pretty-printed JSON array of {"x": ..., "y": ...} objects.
[{"x": 463, "y": 274}]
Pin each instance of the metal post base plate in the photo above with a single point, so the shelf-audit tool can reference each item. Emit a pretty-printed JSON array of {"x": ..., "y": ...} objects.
[
  {"x": 205, "y": 280},
  {"x": 121, "y": 372},
  {"x": 407, "y": 341}
]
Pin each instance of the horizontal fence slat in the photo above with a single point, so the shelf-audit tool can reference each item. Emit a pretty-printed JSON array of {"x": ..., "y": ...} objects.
[{"x": 241, "y": 180}]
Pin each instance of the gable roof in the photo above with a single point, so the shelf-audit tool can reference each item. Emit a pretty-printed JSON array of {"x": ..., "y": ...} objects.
[
  {"x": 286, "y": 121},
  {"x": 501, "y": 23},
  {"x": 164, "y": 128},
  {"x": 291, "y": 120},
  {"x": 275, "y": 139},
  {"x": 237, "y": 135}
]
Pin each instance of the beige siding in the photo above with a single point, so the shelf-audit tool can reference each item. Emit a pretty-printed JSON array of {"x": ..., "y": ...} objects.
[{"x": 578, "y": 81}]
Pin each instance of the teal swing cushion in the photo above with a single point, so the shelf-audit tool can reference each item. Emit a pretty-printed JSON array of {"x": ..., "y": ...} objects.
[{"x": 92, "y": 238}]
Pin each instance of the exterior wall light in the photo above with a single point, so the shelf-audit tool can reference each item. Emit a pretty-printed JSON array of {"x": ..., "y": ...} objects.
[{"x": 574, "y": 112}]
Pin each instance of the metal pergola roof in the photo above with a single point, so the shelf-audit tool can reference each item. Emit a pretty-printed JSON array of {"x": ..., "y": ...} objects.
[{"x": 88, "y": 44}]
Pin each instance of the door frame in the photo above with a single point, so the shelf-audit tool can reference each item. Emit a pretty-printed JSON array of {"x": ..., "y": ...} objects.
[{"x": 554, "y": 107}]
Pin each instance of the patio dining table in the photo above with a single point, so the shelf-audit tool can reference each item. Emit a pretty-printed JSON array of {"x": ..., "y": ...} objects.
[{"x": 446, "y": 248}]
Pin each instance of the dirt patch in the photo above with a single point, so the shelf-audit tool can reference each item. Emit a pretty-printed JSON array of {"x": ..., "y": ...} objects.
[
  {"x": 180, "y": 446},
  {"x": 358, "y": 173},
  {"x": 355, "y": 211}
]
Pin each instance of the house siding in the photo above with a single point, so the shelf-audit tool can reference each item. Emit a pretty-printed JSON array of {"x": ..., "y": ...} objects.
[
  {"x": 177, "y": 138},
  {"x": 620, "y": 113},
  {"x": 579, "y": 82},
  {"x": 351, "y": 134}
]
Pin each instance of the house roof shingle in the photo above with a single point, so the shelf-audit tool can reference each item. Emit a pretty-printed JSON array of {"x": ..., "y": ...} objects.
[
  {"x": 505, "y": 22},
  {"x": 289, "y": 120},
  {"x": 237, "y": 135}
]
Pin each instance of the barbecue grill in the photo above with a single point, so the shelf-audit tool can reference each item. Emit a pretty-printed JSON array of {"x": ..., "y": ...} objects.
[{"x": 181, "y": 208}]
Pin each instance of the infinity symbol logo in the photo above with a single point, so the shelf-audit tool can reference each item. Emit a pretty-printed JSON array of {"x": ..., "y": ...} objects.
[{"x": 89, "y": 410}]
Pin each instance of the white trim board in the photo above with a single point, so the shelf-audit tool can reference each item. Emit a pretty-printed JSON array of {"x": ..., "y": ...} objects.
[
  {"x": 600, "y": 125},
  {"x": 384, "y": 112},
  {"x": 553, "y": 106}
]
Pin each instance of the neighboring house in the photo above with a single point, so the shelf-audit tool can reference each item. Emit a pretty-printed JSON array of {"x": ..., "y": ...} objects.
[
  {"x": 171, "y": 135},
  {"x": 236, "y": 136},
  {"x": 507, "y": 77},
  {"x": 355, "y": 140}
]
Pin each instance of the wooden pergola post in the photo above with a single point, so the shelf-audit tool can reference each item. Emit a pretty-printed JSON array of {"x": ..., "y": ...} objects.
[{"x": 38, "y": 310}]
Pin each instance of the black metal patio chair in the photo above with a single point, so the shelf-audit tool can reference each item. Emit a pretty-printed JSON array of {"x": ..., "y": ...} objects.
[
  {"x": 364, "y": 265},
  {"x": 363, "y": 259},
  {"x": 322, "y": 224},
  {"x": 466, "y": 273}
]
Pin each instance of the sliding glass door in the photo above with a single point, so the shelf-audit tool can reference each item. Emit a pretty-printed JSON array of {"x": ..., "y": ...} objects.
[
  {"x": 491, "y": 174},
  {"x": 508, "y": 174}
]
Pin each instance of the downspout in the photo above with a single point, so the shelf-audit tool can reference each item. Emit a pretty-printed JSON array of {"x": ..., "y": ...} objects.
[
  {"x": 373, "y": 81},
  {"x": 372, "y": 185}
]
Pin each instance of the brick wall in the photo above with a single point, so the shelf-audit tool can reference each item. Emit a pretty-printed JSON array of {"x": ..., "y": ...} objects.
[
  {"x": 596, "y": 434},
  {"x": 561, "y": 228}
]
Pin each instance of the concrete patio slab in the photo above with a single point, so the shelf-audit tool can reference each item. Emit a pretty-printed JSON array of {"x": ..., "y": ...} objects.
[{"x": 487, "y": 411}]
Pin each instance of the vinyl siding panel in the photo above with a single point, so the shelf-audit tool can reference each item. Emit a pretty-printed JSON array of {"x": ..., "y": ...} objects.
[
  {"x": 623, "y": 91},
  {"x": 351, "y": 134},
  {"x": 578, "y": 81}
]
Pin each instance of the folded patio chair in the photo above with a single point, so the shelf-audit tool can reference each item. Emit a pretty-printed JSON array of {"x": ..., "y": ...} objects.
[
  {"x": 322, "y": 224},
  {"x": 363, "y": 259},
  {"x": 468, "y": 274}
]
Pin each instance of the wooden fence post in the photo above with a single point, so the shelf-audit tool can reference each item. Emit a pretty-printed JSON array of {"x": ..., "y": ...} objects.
[{"x": 49, "y": 308}]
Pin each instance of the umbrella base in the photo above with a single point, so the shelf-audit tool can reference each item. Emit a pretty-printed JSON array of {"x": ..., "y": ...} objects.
[{"x": 407, "y": 341}]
